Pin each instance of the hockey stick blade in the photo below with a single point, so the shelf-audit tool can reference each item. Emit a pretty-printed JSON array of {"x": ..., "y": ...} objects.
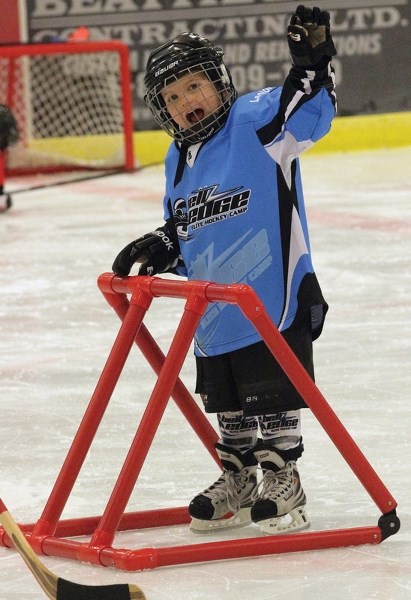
[{"x": 55, "y": 587}]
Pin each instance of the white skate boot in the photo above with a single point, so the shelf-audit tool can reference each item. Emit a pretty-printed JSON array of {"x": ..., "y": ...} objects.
[
  {"x": 227, "y": 502},
  {"x": 279, "y": 499}
]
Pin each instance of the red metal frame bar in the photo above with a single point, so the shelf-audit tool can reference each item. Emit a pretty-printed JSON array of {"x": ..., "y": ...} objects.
[{"x": 49, "y": 534}]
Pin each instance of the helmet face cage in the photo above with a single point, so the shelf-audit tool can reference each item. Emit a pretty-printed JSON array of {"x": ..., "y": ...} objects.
[{"x": 188, "y": 54}]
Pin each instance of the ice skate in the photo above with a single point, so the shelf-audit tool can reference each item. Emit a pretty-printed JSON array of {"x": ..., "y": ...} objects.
[
  {"x": 5, "y": 202},
  {"x": 279, "y": 498},
  {"x": 226, "y": 503}
]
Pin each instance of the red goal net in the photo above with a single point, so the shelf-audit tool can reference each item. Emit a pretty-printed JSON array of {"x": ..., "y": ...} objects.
[{"x": 72, "y": 103}]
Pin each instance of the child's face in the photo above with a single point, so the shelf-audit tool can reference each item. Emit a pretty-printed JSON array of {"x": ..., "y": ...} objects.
[{"x": 190, "y": 99}]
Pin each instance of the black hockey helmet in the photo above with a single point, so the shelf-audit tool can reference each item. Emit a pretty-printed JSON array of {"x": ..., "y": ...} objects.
[{"x": 188, "y": 52}]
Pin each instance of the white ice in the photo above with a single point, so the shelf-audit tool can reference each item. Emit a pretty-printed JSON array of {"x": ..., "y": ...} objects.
[{"x": 56, "y": 331}]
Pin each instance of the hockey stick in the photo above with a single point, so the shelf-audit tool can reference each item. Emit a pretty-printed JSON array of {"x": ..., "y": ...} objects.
[
  {"x": 55, "y": 587},
  {"x": 42, "y": 186}
]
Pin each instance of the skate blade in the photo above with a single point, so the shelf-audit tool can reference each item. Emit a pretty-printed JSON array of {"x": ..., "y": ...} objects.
[
  {"x": 295, "y": 520},
  {"x": 240, "y": 519}
]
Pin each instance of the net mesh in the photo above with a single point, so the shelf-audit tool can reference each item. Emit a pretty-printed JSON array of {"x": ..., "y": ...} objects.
[{"x": 68, "y": 108}]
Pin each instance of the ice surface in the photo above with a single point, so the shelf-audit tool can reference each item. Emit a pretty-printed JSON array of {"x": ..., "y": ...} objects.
[{"x": 56, "y": 331}]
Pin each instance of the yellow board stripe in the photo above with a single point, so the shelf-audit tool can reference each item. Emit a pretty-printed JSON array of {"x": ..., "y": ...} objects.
[{"x": 369, "y": 132}]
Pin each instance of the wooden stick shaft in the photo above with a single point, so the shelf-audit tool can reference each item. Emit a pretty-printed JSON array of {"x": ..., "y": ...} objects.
[
  {"x": 55, "y": 587},
  {"x": 46, "y": 579}
]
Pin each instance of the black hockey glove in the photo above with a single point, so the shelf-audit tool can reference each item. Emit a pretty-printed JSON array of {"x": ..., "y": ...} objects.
[
  {"x": 8, "y": 128},
  {"x": 157, "y": 251},
  {"x": 309, "y": 37}
]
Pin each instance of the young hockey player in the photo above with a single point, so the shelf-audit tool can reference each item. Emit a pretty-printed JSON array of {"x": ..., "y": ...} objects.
[{"x": 234, "y": 212}]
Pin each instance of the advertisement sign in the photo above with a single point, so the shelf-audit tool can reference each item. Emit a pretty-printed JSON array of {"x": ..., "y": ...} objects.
[{"x": 372, "y": 38}]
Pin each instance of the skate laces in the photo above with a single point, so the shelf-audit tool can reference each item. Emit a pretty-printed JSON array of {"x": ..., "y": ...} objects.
[
  {"x": 228, "y": 487},
  {"x": 274, "y": 485}
]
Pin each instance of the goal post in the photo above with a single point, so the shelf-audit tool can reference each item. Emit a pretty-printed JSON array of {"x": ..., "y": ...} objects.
[{"x": 72, "y": 102}]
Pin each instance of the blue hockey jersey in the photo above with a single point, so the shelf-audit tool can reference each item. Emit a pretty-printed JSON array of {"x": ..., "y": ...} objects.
[{"x": 238, "y": 207}]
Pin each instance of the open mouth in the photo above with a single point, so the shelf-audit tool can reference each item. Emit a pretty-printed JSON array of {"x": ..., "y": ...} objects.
[{"x": 195, "y": 115}]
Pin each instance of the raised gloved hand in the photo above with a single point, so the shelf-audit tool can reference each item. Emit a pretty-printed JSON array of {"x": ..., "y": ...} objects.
[
  {"x": 157, "y": 251},
  {"x": 309, "y": 37}
]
